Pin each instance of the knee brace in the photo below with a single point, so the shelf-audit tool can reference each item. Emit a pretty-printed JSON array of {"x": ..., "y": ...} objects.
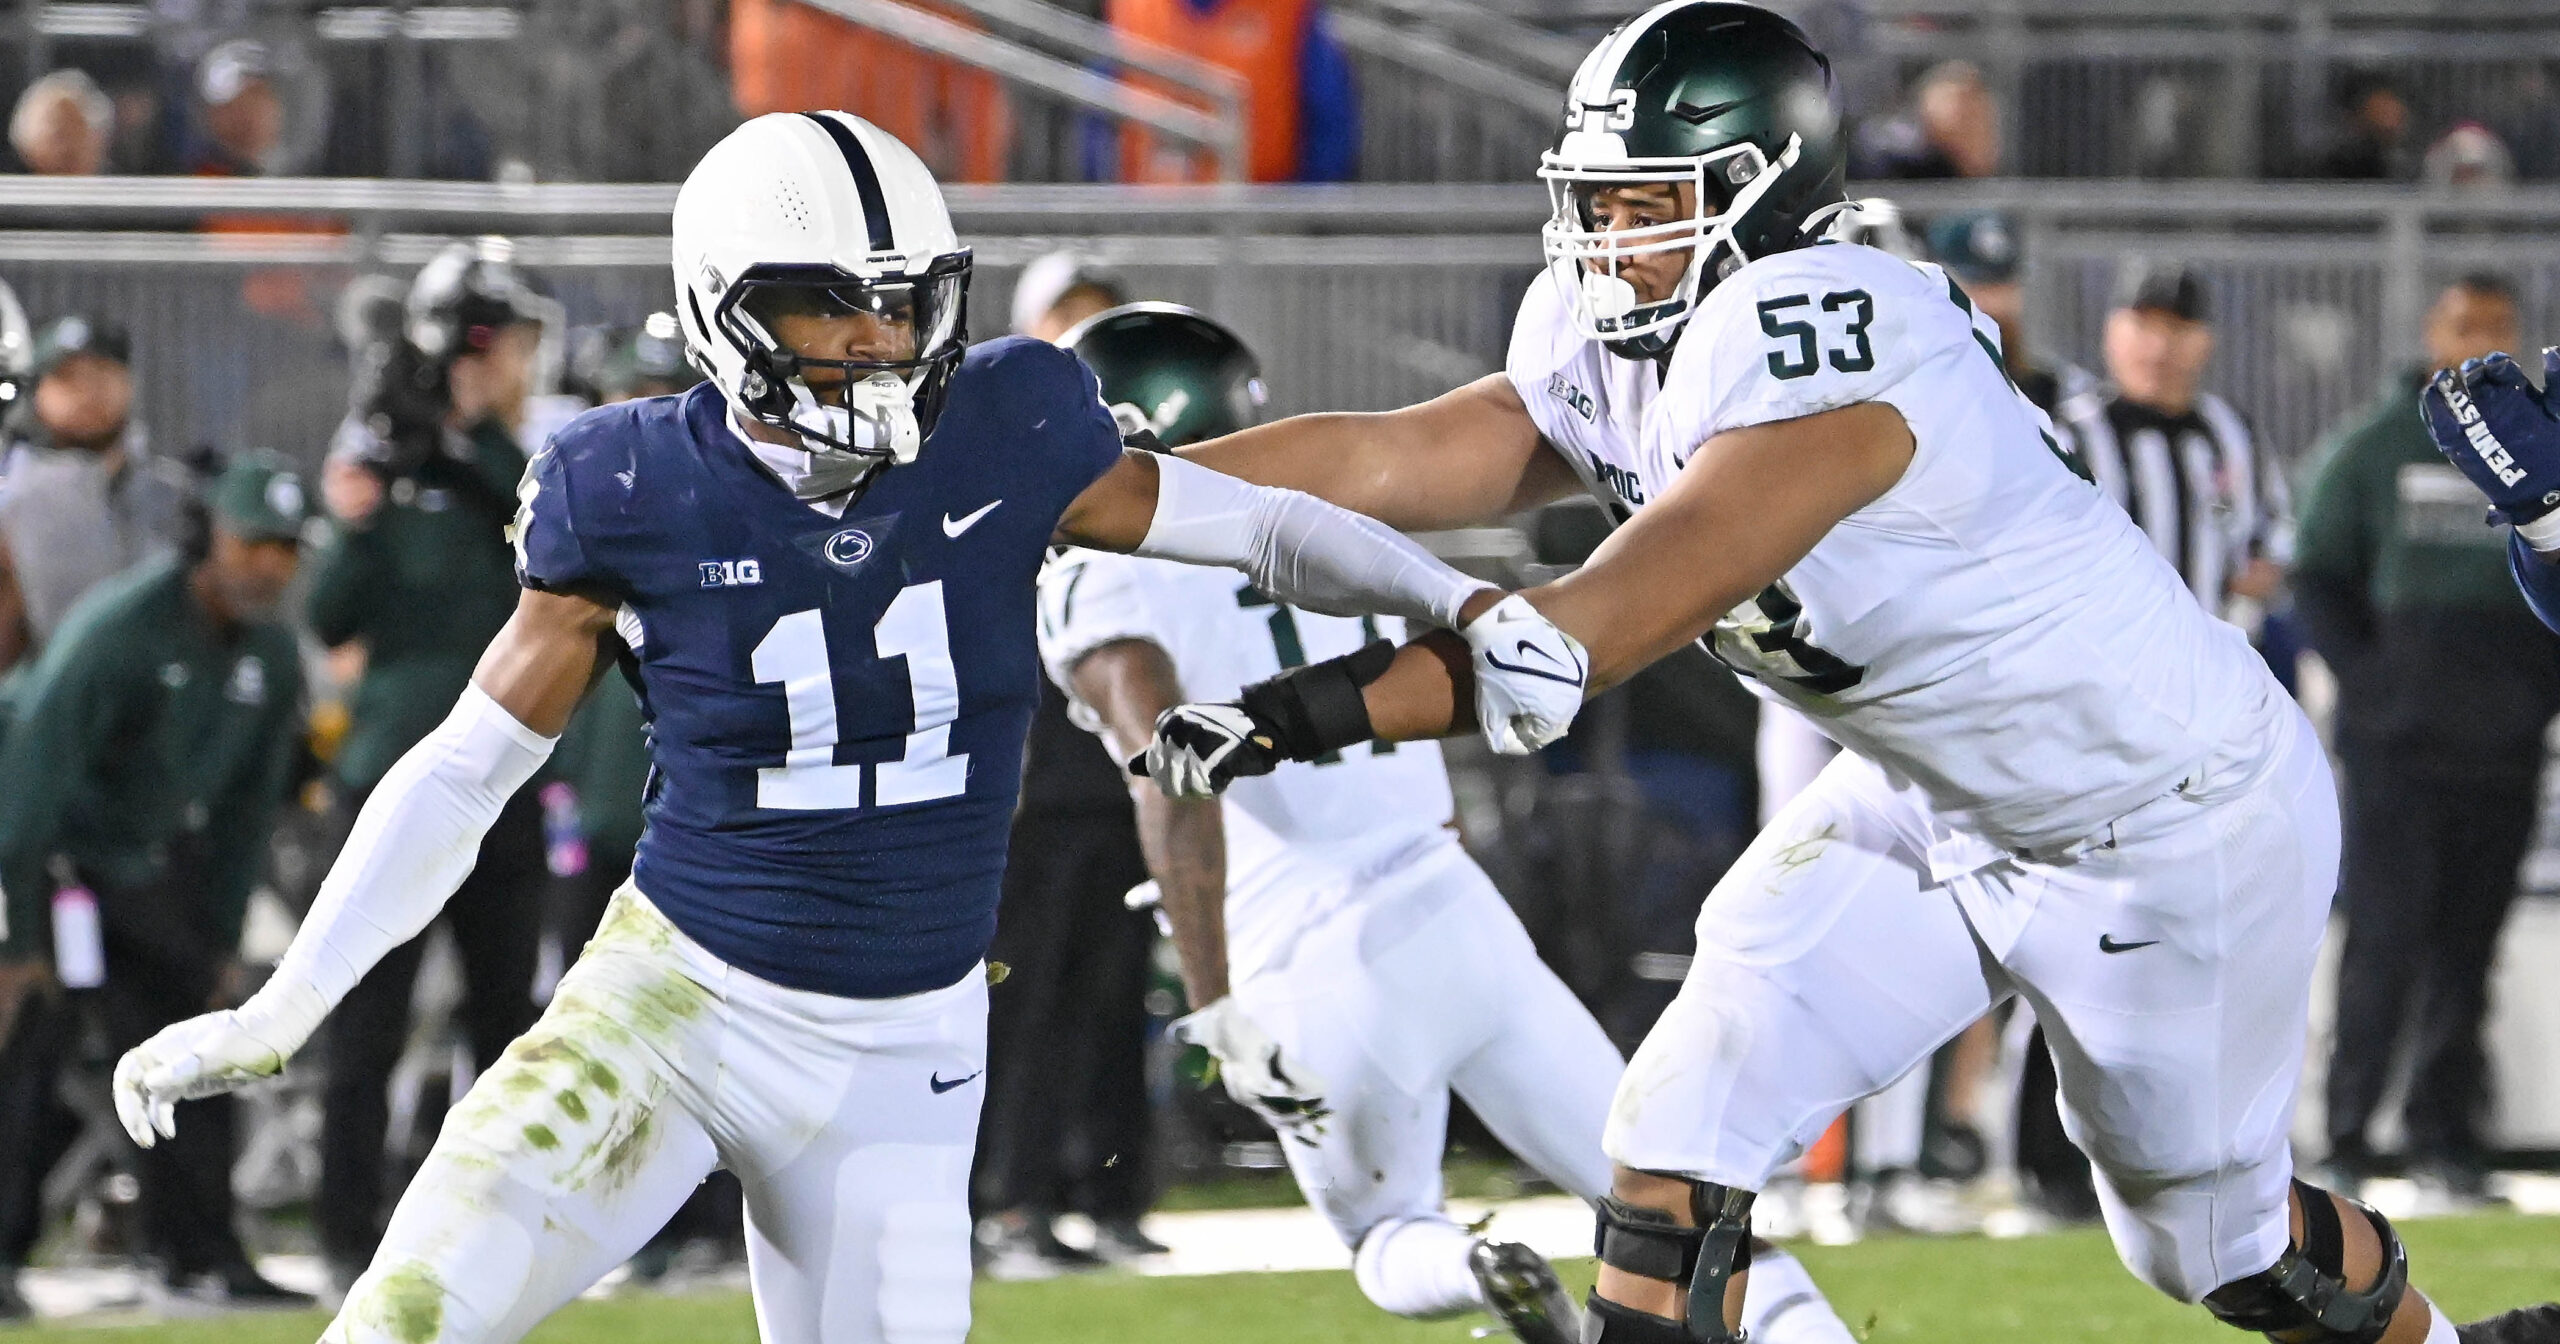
[
  {"x": 1650, "y": 1244},
  {"x": 2306, "y": 1288}
]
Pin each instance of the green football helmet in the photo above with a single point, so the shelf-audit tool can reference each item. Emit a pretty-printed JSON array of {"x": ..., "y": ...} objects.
[
  {"x": 1728, "y": 98},
  {"x": 1167, "y": 369}
]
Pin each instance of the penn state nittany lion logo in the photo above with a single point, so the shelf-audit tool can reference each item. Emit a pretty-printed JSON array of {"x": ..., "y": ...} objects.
[{"x": 852, "y": 546}]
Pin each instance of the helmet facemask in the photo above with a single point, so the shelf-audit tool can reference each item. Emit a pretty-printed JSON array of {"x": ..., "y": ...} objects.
[
  {"x": 1727, "y": 187},
  {"x": 896, "y": 340}
]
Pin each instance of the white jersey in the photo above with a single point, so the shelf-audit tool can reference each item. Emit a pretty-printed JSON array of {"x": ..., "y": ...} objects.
[
  {"x": 1306, "y": 837},
  {"x": 1993, "y": 631}
]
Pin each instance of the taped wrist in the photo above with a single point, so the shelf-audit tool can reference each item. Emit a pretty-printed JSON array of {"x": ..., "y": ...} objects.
[{"x": 1317, "y": 709}]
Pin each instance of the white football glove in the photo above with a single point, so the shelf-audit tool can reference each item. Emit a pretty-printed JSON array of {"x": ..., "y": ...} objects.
[
  {"x": 1199, "y": 749},
  {"x": 211, "y": 1054},
  {"x": 1249, "y": 1063},
  {"x": 1530, "y": 676}
]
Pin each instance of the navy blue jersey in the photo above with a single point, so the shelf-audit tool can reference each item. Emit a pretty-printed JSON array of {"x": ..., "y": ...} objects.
[{"x": 837, "y": 706}]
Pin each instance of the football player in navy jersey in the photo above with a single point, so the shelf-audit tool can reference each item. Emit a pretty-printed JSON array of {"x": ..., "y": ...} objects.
[{"x": 817, "y": 572}]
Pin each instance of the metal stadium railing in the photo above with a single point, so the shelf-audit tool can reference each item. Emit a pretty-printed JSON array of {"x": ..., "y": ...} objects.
[{"x": 1358, "y": 297}]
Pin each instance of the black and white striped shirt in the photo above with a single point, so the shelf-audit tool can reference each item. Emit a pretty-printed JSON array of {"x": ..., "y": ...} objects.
[{"x": 2195, "y": 482}]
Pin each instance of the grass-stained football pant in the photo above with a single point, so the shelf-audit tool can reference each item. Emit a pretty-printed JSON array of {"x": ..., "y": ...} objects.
[
  {"x": 848, "y": 1121},
  {"x": 2169, "y": 960}
]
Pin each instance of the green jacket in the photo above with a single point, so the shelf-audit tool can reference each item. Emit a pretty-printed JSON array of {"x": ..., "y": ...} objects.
[
  {"x": 144, "y": 728},
  {"x": 425, "y": 582},
  {"x": 2405, "y": 591}
]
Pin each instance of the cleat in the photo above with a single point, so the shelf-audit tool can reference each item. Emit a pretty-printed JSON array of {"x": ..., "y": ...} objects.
[
  {"x": 2524, "y": 1325},
  {"x": 1522, "y": 1291}
]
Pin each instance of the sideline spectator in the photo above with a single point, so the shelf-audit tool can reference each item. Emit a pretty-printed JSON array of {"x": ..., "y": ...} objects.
[
  {"x": 2372, "y": 142},
  {"x": 2468, "y": 157},
  {"x": 1302, "y": 116},
  {"x": 1951, "y": 129},
  {"x": 2445, "y": 686},
  {"x": 2181, "y": 460},
  {"x": 148, "y": 754},
  {"x": 1068, "y": 1123},
  {"x": 62, "y": 126},
  {"x": 603, "y": 758},
  {"x": 420, "y": 571},
  {"x": 83, "y": 498},
  {"x": 785, "y": 56},
  {"x": 1060, "y": 289},
  {"x": 1985, "y": 251},
  {"x": 242, "y": 109}
]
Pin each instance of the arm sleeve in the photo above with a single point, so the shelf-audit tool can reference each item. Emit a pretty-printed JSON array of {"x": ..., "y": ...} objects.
[
  {"x": 64, "y": 719},
  {"x": 1089, "y": 599},
  {"x": 1299, "y": 549},
  {"x": 416, "y": 839},
  {"x": 241, "y": 824}
]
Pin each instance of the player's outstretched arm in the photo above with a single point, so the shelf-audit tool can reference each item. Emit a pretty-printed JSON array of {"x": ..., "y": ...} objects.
[
  {"x": 1319, "y": 557},
  {"x": 1748, "y": 506},
  {"x": 413, "y": 843},
  {"x": 1462, "y": 459}
]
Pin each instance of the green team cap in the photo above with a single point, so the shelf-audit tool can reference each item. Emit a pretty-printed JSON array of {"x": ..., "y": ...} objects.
[{"x": 260, "y": 497}]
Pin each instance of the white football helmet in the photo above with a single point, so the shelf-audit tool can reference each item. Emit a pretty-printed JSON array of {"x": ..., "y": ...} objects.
[{"x": 823, "y": 215}]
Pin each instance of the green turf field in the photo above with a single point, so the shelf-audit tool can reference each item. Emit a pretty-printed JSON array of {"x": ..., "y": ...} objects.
[{"x": 2062, "y": 1289}]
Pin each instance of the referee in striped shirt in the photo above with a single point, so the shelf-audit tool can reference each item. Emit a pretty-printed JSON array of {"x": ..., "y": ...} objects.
[{"x": 2178, "y": 458}]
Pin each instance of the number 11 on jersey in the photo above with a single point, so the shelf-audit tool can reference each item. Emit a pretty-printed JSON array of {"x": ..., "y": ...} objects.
[{"x": 794, "y": 653}]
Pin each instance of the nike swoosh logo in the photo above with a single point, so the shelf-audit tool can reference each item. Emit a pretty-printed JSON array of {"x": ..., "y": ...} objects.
[
  {"x": 939, "y": 1086},
  {"x": 2107, "y": 943},
  {"x": 952, "y": 527},
  {"x": 1574, "y": 680}
]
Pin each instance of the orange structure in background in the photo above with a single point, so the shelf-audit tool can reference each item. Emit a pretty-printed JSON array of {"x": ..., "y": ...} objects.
[
  {"x": 1261, "y": 41},
  {"x": 790, "y": 57}
]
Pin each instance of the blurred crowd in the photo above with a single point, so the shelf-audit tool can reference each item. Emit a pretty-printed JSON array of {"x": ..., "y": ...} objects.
[{"x": 634, "y": 90}]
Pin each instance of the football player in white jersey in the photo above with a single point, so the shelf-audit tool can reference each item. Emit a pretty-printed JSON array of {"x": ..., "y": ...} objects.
[
  {"x": 2064, "y": 780},
  {"x": 1350, "y": 964}
]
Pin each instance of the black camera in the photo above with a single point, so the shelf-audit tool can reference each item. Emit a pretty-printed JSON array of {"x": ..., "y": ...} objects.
[{"x": 402, "y": 398}]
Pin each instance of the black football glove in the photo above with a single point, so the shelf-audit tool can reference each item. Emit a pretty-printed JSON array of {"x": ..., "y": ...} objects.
[{"x": 1200, "y": 749}]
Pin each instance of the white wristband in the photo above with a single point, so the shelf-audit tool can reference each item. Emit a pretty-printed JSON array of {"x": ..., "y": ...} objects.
[{"x": 2543, "y": 533}]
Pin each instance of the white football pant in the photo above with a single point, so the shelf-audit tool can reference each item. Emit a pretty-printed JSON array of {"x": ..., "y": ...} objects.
[
  {"x": 849, "y": 1121},
  {"x": 1425, "y": 985},
  {"x": 2169, "y": 959}
]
